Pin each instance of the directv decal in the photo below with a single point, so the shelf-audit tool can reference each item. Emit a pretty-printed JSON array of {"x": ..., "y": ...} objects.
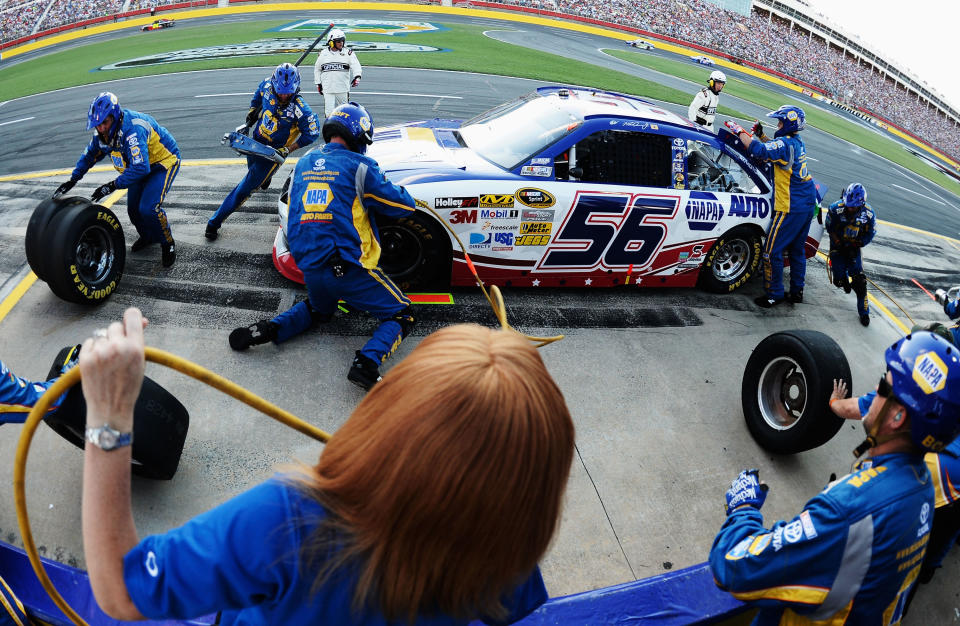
[
  {"x": 704, "y": 210},
  {"x": 749, "y": 206},
  {"x": 480, "y": 241}
]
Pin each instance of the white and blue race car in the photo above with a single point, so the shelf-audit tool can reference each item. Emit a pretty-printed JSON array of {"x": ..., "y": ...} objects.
[
  {"x": 570, "y": 187},
  {"x": 643, "y": 44},
  {"x": 702, "y": 60}
]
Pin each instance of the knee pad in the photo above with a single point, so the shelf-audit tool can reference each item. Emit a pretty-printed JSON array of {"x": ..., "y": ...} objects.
[
  {"x": 859, "y": 285},
  {"x": 406, "y": 320}
]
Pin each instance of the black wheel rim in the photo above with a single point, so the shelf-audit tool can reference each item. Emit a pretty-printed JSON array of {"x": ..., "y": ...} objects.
[
  {"x": 782, "y": 393},
  {"x": 402, "y": 250},
  {"x": 94, "y": 254}
]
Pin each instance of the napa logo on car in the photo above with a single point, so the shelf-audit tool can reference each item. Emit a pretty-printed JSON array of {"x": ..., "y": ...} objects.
[
  {"x": 749, "y": 206},
  {"x": 704, "y": 210},
  {"x": 535, "y": 198},
  {"x": 496, "y": 200},
  {"x": 480, "y": 241},
  {"x": 930, "y": 372}
]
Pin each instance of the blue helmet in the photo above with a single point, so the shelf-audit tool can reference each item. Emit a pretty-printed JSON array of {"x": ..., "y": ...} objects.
[
  {"x": 353, "y": 123},
  {"x": 792, "y": 117},
  {"x": 854, "y": 196},
  {"x": 925, "y": 369},
  {"x": 285, "y": 79},
  {"x": 102, "y": 107}
]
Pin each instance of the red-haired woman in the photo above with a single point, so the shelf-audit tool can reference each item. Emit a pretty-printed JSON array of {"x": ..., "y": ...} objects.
[{"x": 432, "y": 504}]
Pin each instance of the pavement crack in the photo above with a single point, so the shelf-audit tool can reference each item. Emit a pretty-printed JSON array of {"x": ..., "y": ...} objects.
[{"x": 604, "y": 507}]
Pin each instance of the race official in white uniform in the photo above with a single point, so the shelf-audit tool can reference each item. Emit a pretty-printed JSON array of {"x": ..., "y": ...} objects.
[
  {"x": 704, "y": 106},
  {"x": 337, "y": 70}
]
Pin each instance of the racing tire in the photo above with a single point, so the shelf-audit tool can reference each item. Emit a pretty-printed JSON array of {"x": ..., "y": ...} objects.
[
  {"x": 786, "y": 390},
  {"x": 160, "y": 424},
  {"x": 35, "y": 241},
  {"x": 86, "y": 253},
  {"x": 731, "y": 261},
  {"x": 415, "y": 252}
]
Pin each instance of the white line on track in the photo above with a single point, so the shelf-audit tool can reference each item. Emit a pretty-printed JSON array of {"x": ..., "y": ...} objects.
[
  {"x": 22, "y": 119},
  {"x": 4, "y": 102},
  {"x": 363, "y": 93},
  {"x": 919, "y": 194}
]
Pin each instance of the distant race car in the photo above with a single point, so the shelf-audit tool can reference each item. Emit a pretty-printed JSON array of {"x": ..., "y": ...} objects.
[
  {"x": 702, "y": 60},
  {"x": 569, "y": 187},
  {"x": 640, "y": 43},
  {"x": 158, "y": 24}
]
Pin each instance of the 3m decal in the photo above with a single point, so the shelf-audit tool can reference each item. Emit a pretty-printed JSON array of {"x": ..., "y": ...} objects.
[{"x": 463, "y": 217}]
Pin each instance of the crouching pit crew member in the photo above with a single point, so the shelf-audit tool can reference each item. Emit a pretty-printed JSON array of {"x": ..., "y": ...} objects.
[
  {"x": 148, "y": 159},
  {"x": 279, "y": 117},
  {"x": 855, "y": 551},
  {"x": 851, "y": 224},
  {"x": 333, "y": 238},
  {"x": 382, "y": 530}
]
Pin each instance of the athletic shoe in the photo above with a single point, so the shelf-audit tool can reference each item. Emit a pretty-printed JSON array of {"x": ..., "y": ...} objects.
[
  {"x": 261, "y": 332},
  {"x": 766, "y": 302},
  {"x": 168, "y": 254},
  {"x": 865, "y": 319},
  {"x": 266, "y": 183},
  {"x": 211, "y": 233},
  {"x": 140, "y": 244},
  {"x": 795, "y": 297},
  {"x": 364, "y": 372}
]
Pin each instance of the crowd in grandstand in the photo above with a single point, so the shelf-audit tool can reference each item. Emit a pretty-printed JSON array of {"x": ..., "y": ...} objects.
[{"x": 769, "y": 43}]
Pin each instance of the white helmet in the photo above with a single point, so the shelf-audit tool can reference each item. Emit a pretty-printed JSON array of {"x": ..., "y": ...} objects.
[
  {"x": 716, "y": 76},
  {"x": 334, "y": 35}
]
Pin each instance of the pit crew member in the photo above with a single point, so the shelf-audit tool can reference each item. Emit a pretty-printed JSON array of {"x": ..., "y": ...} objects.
[
  {"x": 794, "y": 202},
  {"x": 337, "y": 70},
  {"x": 952, "y": 310},
  {"x": 18, "y": 396},
  {"x": 851, "y": 224},
  {"x": 334, "y": 241},
  {"x": 279, "y": 117},
  {"x": 854, "y": 552},
  {"x": 703, "y": 109},
  {"x": 148, "y": 159}
]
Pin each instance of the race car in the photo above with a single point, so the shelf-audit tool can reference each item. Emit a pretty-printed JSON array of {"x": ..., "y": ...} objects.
[
  {"x": 158, "y": 24},
  {"x": 569, "y": 187},
  {"x": 640, "y": 43},
  {"x": 702, "y": 60}
]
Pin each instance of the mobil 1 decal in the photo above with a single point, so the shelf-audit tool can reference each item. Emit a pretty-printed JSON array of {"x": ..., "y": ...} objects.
[{"x": 611, "y": 230}]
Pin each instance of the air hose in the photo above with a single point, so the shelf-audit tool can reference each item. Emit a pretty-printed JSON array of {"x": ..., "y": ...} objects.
[{"x": 72, "y": 377}]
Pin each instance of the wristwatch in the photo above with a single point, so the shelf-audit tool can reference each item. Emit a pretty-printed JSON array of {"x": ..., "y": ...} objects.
[{"x": 107, "y": 438}]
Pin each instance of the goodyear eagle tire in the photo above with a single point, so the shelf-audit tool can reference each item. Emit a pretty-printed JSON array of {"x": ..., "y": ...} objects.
[
  {"x": 415, "y": 252},
  {"x": 35, "y": 241},
  {"x": 86, "y": 253},
  {"x": 786, "y": 390},
  {"x": 160, "y": 424},
  {"x": 731, "y": 261}
]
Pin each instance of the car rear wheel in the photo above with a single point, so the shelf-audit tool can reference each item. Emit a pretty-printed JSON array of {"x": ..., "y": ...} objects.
[
  {"x": 415, "y": 252},
  {"x": 786, "y": 390},
  {"x": 732, "y": 261}
]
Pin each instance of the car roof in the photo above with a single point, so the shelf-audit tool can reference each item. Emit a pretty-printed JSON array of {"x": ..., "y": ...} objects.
[{"x": 589, "y": 103}]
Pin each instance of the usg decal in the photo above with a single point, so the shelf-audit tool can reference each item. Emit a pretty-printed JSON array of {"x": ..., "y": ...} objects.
[
  {"x": 535, "y": 198},
  {"x": 704, "y": 210}
]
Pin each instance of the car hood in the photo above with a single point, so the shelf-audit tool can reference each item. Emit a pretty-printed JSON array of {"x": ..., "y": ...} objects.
[{"x": 429, "y": 151}]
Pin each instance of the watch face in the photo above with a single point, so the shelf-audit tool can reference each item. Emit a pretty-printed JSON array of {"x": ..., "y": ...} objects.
[{"x": 108, "y": 439}]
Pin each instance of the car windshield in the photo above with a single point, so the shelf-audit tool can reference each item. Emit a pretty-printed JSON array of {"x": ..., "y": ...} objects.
[
  {"x": 709, "y": 169},
  {"x": 510, "y": 133}
]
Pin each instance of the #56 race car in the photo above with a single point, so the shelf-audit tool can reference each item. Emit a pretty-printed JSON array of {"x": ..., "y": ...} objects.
[
  {"x": 158, "y": 24},
  {"x": 569, "y": 187}
]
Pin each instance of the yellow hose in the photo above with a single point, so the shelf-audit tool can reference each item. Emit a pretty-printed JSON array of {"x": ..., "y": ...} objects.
[{"x": 72, "y": 377}]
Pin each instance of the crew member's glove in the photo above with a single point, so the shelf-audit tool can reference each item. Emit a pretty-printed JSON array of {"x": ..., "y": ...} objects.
[
  {"x": 104, "y": 190},
  {"x": 701, "y": 120},
  {"x": 242, "y": 129},
  {"x": 757, "y": 129},
  {"x": 320, "y": 89},
  {"x": 746, "y": 490},
  {"x": 64, "y": 188},
  {"x": 734, "y": 128},
  {"x": 283, "y": 152},
  {"x": 356, "y": 81},
  {"x": 252, "y": 116}
]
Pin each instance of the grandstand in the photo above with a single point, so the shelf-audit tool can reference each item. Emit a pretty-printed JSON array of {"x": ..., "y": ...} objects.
[{"x": 781, "y": 35}]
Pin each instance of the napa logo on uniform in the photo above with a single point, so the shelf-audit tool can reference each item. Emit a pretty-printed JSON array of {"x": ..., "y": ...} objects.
[
  {"x": 316, "y": 198},
  {"x": 930, "y": 372},
  {"x": 704, "y": 210}
]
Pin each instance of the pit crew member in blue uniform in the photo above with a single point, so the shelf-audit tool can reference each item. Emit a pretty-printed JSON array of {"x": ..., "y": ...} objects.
[
  {"x": 334, "y": 241},
  {"x": 952, "y": 310},
  {"x": 469, "y": 436},
  {"x": 148, "y": 159},
  {"x": 851, "y": 224},
  {"x": 18, "y": 396},
  {"x": 279, "y": 117},
  {"x": 853, "y": 553},
  {"x": 794, "y": 202}
]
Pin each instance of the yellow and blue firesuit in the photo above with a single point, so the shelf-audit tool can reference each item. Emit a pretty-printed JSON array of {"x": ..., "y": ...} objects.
[
  {"x": 850, "y": 557},
  {"x": 275, "y": 127},
  {"x": 148, "y": 159},
  {"x": 17, "y": 396},
  {"x": 849, "y": 232},
  {"x": 952, "y": 309},
  {"x": 330, "y": 225},
  {"x": 794, "y": 202}
]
